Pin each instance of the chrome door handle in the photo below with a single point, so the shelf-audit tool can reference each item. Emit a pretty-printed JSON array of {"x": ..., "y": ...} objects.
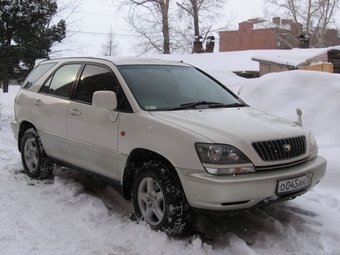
[
  {"x": 38, "y": 102},
  {"x": 74, "y": 112}
]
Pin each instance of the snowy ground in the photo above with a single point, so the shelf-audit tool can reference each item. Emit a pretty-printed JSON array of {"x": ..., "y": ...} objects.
[{"x": 62, "y": 216}]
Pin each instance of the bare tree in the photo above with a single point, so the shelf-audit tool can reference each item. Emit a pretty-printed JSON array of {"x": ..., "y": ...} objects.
[
  {"x": 150, "y": 20},
  {"x": 200, "y": 11},
  {"x": 163, "y": 28},
  {"x": 110, "y": 47},
  {"x": 316, "y": 17},
  {"x": 68, "y": 10},
  {"x": 201, "y": 14},
  {"x": 327, "y": 11}
]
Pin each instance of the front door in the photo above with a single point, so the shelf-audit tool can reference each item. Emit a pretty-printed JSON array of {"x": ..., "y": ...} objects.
[{"x": 91, "y": 132}]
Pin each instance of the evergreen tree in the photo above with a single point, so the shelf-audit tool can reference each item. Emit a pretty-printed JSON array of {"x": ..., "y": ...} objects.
[{"x": 26, "y": 35}]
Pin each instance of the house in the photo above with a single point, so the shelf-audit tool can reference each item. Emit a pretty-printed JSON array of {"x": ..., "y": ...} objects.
[
  {"x": 319, "y": 59},
  {"x": 253, "y": 63},
  {"x": 257, "y": 34}
]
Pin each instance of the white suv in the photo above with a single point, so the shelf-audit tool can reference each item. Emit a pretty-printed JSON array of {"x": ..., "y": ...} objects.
[{"x": 169, "y": 136}]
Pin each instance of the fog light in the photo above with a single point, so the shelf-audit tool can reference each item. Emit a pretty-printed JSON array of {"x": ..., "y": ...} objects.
[{"x": 231, "y": 170}]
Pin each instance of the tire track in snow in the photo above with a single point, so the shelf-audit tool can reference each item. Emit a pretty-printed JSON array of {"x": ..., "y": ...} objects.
[{"x": 60, "y": 216}]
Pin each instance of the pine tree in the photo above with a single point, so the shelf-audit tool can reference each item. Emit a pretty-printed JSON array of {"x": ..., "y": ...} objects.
[{"x": 26, "y": 34}]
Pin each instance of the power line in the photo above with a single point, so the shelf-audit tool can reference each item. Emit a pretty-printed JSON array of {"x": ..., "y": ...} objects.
[
  {"x": 99, "y": 14},
  {"x": 100, "y": 34}
]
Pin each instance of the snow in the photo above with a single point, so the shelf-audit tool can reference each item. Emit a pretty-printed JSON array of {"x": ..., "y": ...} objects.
[
  {"x": 237, "y": 61},
  {"x": 64, "y": 216},
  {"x": 293, "y": 57},
  {"x": 219, "y": 62}
]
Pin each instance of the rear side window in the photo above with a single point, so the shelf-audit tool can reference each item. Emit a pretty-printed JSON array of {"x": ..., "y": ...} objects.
[
  {"x": 36, "y": 74},
  {"x": 61, "y": 83}
]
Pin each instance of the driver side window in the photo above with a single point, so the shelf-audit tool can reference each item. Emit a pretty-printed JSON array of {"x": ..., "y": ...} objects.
[
  {"x": 97, "y": 78},
  {"x": 94, "y": 78}
]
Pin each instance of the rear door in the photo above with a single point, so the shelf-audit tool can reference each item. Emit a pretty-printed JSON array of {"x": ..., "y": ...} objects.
[
  {"x": 50, "y": 107},
  {"x": 92, "y": 132}
]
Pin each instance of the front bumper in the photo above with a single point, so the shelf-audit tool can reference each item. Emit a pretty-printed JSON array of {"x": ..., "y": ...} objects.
[{"x": 238, "y": 192}]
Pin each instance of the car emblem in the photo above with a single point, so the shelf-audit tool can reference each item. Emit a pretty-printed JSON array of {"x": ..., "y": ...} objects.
[{"x": 287, "y": 147}]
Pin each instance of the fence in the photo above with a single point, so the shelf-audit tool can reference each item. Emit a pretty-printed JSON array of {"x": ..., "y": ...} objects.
[{"x": 325, "y": 67}]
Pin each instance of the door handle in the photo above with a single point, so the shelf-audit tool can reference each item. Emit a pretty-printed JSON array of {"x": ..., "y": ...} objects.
[
  {"x": 38, "y": 102},
  {"x": 74, "y": 112}
]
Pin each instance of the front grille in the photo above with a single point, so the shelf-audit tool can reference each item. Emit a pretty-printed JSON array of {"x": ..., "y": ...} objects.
[
  {"x": 281, "y": 166},
  {"x": 281, "y": 149}
]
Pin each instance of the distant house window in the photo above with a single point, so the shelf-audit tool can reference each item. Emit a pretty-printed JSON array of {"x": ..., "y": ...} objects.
[{"x": 244, "y": 30}]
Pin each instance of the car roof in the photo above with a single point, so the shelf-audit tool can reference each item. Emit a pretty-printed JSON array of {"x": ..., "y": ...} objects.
[{"x": 117, "y": 60}]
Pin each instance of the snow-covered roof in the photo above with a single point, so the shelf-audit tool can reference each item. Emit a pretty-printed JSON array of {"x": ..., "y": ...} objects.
[
  {"x": 236, "y": 61},
  {"x": 293, "y": 57}
]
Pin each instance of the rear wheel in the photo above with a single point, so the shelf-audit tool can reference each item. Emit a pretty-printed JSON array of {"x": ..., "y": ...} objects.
[
  {"x": 159, "y": 200},
  {"x": 34, "y": 159}
]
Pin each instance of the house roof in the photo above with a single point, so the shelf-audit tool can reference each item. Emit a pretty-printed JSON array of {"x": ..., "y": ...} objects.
[
  {"x": 293, "y": 57},
  {"x": 240, "y": 61},
  {"x": 236, "y": 61}
]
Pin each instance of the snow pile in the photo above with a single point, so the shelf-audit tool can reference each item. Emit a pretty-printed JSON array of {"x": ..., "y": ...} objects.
[
  {"x": 6, "y": 103},
  {"x": 316, "y": 93},
  {"x": 62, "y": 216}
]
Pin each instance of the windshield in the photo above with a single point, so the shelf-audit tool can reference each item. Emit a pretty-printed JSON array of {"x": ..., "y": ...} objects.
[{"x": 163, "y": 88}]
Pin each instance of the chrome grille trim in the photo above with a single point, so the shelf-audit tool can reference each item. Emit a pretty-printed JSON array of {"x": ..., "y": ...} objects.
[
  {"x": 281, "y": 149},
  {"x": 281, "y": 166}
]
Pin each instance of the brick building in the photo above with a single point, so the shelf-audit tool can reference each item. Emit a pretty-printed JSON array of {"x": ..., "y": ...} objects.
[
  {"x": 253, "y": 34},
  {"x": 257, "y": 34}
]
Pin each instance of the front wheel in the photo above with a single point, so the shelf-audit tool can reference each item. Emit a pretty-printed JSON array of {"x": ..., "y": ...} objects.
[
  {"x": 34, "y": 159},
  {"x": 159, "y": 200}
]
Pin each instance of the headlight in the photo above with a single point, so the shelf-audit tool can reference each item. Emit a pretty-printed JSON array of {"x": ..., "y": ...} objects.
[
  {"x": 313, "y": 147},
  {"x": 223, "y": 159}
]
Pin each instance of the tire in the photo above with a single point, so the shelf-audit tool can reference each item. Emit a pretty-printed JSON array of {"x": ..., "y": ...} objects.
[
  {"x": 159, "y": 200},
  {"x": 34, "y": 159}
]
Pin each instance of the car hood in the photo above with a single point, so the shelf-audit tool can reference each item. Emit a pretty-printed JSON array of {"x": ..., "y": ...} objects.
[{"x": 233, "y": 125}]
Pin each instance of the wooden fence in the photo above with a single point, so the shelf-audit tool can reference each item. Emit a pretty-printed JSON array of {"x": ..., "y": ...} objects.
[{"x": 325, "y": 67}]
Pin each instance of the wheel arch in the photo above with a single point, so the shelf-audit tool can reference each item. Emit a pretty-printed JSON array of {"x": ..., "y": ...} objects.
[
  {"x": 22, "y": 129},
  {"x": 135, "y": 161}
]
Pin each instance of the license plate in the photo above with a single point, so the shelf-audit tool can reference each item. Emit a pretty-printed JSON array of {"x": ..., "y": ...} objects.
[{"x": 295, "y": 184}]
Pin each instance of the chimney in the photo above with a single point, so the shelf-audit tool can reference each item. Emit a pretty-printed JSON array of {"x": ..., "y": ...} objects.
[
  {"x": 198, "y": 48},
  {"x": 304, "y": 41},
  {"x": 210, "y": 44},
  {"x": 277, "y": 21},
  {"x": 286, "y": 22}
]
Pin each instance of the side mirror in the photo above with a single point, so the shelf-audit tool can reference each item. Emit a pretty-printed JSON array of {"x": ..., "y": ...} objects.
[{"x": 105, "y": 99}]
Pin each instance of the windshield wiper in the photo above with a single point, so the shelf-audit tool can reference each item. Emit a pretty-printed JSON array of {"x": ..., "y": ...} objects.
[
  {"x": 194, "y": 105},
  {"x": 209, "y": 104},
  {"x": 228, "y": 105}
]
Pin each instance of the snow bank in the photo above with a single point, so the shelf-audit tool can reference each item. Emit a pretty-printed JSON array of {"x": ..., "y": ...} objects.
[
  {"x": 6, "y": 102},
  {"x": 316, "y": 93}
]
